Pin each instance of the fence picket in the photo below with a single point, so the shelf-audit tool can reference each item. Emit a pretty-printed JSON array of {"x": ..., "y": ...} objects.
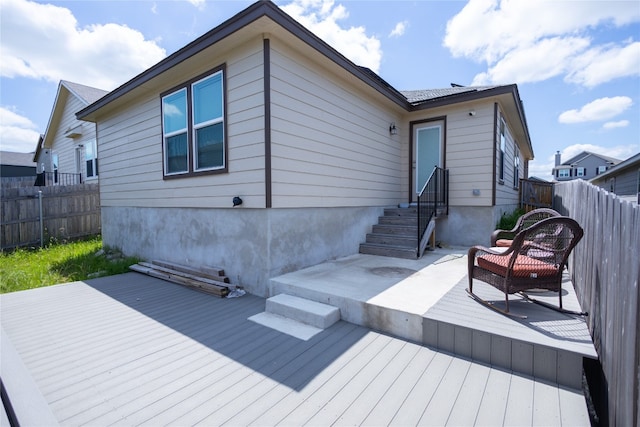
[
  {"x": 69, "y": 212},
  {"x": 605, "y": 274}
]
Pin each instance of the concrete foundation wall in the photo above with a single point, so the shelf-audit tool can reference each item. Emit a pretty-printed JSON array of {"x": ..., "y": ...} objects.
[
  {"x": 252, "y": 245},
  {"x": 467, "y": 226}
]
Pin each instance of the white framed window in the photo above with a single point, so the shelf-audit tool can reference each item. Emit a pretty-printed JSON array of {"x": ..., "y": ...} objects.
[
  {"x": 516, "y": 167},
  {"x": 91, "y": 159},
  {"x": 564, "y": 173},
  {"x": 581, "y": 171},
  {"x": 503, "y": 148},
  {"x": 601, "y": 169},
  {"x": 193, "y": 126}
]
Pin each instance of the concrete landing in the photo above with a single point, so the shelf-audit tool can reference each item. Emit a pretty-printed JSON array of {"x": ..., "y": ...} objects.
[
  {"x": 383, "y": 293},
  {"x": 425, "y": 301}
]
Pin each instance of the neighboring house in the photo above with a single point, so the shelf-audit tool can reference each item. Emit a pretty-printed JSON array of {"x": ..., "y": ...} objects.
[
  {"x": 585, "y": 165},
  {"x": 17, "y": 165},
  {"x": 315, "y": 146},
  {"x": 622, "y": 179},
  {"x": 67, "y": 152}
]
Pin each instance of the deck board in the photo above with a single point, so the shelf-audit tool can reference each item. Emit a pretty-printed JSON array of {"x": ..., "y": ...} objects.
[{"x": 133, "y": 350}]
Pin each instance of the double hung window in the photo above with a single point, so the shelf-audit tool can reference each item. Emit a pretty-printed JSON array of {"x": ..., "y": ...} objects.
[
  {"x": 503, "y": 149},
  {"x": 193, "y": 127},
  {"x": 516, "y": 167},
  {"x": 91, "y": 159}
]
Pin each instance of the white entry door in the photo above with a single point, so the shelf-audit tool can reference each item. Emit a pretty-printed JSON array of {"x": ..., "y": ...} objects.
[{"x": 429, "y": 150}]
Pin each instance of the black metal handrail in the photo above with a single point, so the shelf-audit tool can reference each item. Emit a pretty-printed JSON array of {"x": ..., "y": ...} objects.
[
  {"x": 45, "y": 179},
  {"x": 433, "y": 197}
]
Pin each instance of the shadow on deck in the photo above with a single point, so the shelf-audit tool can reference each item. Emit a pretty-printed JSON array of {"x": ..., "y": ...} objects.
[{"x": 425, "y": 301}]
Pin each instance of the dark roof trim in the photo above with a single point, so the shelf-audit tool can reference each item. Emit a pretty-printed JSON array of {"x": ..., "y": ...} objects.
[
  {"x": 480, "y": 94},
  {"x": 237, "y": 22},
  {"x": 470, "y": 95}
]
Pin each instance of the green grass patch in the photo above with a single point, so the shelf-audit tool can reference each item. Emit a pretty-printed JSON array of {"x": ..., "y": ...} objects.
[
  {"x": 59, "y": 263},
  {"x": 508, "y": 221}
]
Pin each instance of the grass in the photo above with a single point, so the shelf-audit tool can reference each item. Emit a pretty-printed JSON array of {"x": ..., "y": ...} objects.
[{"x": 59, "y": 263}]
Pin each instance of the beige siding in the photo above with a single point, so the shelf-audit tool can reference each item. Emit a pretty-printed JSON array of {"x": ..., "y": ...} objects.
[
  {"x": 469, "y": 151},
  {"x": 330, "y": 144},
  {"x": 130, "y": 144},
  {"x": 506, "y": 193}
]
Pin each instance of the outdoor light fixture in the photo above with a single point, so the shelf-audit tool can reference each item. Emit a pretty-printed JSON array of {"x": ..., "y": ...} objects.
[
  {"x": 237, "y": 201},
  {"x": 393, "y": 130}
]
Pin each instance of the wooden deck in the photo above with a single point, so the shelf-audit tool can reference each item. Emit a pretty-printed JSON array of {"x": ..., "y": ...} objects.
[{"x": 135, "y": 350}]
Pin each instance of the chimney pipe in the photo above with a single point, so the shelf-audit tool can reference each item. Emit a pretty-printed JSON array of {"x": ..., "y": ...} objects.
[{"x": 558, "y": 158}]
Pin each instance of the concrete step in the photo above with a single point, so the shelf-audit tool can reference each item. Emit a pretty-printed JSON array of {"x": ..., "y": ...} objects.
[
  {"x": 409, "y": 212},
  {"x": 388, "y": 250},
  {"x": 398, "y": 230},
  {"x": 393, "y": 239},
  {"x": 399, "y": 220},
  {"x": 303, "y": 310}
]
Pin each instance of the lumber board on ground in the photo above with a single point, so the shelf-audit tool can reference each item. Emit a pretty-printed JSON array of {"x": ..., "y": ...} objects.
[
  {"x": 187, "y": 275},
  {"x": 213, "y": 289},
  {"x": 202, "y": 271}
]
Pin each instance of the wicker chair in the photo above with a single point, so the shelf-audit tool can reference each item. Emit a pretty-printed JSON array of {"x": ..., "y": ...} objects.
[
  {"x": 503, "y": 238},
  {"x": 535, "y": 260}
]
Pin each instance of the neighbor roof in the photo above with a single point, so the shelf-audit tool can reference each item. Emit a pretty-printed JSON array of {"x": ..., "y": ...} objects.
[
  {"x": 86, "y": 94},
  {"x": 585, "y": 154},
  {"x": 631, "y": 162},
  {"x": 11, "y": 158}
]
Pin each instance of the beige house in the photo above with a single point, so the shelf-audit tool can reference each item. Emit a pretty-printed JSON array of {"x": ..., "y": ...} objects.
[
  {"x": 67, "y": 151},
  {"x": 315, "y": 147}
]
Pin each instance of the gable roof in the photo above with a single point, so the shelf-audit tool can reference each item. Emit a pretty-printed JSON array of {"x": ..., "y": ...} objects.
[
  {"x": 416, "y": 97},
  {"x": 85, "y": 94},
  {"x": 407, "y": 100},
  {"x": 254, "y": 13},
  {"x": 580, "y": 157}
]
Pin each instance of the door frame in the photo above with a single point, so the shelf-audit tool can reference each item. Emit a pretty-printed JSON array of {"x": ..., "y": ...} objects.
[{"x": 412, "y": 150}]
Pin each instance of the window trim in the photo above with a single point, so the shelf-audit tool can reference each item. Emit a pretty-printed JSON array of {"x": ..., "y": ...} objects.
[
  {"x": 516, "y": 166},
  {"x": 561, "y": 175},
  {"x": 502, "y": 149},
  {"x": 188, "y": 87},
  {"x": 94, "y": 159}
]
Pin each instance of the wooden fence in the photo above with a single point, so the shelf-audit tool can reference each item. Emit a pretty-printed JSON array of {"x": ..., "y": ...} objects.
[
  {"x": 535, "y": 194},
  {"x": 605, "y": 271},
  {"x": 68, "y": 212}
]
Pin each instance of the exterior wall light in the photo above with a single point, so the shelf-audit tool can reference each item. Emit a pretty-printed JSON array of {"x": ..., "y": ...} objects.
[
  {"x": 237, "y": 201},
  {"x": 393, "y": 130}
]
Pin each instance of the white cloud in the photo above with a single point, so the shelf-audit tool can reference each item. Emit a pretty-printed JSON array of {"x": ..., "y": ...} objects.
[
  {"x": 534, "y": 63},
  {"x": 198, "y": 3},
  {"x": 43, "y": 41},
  {"x": 17, "y": 133},
  {"x": 598, "y": 110},
  {"x": 399, "y": 29},
  {"x": 322, "y": 18},
  {"x": 605, "y": 63},
  {"x": 614, "y": 125},
  {"x": 542, "y": 168},
  {"x": 510, "y": 33}
]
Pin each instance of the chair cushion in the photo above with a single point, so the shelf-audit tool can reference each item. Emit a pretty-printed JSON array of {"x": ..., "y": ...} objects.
[
  {"x": 503, "y": 243},
  {"x": 523, "y": 267}
]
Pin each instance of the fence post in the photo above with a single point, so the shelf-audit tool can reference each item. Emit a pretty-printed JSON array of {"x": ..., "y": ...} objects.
[{"x": 41, "y": 221}]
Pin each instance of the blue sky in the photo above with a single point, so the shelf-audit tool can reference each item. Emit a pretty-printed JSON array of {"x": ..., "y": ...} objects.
[{"x": 576, "y": 63}]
